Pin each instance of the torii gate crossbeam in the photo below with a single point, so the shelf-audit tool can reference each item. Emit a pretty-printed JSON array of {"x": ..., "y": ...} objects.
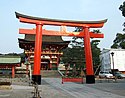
[
  {"x": 39, "y": 22},
  {"x": 59, "y": 33}
]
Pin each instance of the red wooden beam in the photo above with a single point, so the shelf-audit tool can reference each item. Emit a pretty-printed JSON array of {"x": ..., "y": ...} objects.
[
  {"x": 59, "y": 33},
  {"x": 57, "y": 22}
]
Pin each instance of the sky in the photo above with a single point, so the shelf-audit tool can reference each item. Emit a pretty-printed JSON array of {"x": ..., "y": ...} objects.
[{"x": 86, "y": 10}]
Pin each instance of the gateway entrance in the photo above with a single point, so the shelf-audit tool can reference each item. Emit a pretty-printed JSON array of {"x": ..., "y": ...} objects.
[{"x": 38, "y": 31}]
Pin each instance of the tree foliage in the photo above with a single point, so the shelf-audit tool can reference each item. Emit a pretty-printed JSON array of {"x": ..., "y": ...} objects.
[
  {"x": 122, "y": 8},
  {"x": 76, "y": 52},
  {"x": 95, "y": 52},
  {"x": 74, "y": 55},
  {"x": 119, "y": 41}
]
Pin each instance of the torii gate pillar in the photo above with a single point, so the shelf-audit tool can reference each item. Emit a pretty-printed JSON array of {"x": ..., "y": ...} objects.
[
  {"x": 36, "y": 77},
  {"x": 90, "y": 78}
]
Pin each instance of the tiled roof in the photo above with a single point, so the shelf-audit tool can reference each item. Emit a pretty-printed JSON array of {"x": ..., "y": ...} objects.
[
  {"x": 9, "y": 59},
  {"x": 46, "y": 40},
  {"x": 31, "y": 37}
]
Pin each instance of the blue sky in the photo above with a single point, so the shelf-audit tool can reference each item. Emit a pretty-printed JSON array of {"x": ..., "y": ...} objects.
[{"x": 58, "y": 9}]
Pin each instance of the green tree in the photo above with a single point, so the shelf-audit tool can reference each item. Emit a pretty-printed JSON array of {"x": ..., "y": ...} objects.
[
  {"x": 23, "y": 56},
  {"x": 74, "y": 55},
  {"x": 119, "y": 41},
  {"x": 76, "y": 52},
  {"x": 95, "y": 52},
  {"x": 122, "y": 8}
]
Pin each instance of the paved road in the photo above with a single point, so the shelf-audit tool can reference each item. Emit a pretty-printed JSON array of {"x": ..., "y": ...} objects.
[
  {"x": 97, "y": 90},
  {"x": 52, "y": 88}
]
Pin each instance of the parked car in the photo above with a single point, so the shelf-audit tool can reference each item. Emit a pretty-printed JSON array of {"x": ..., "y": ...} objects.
[
  {"x": 105, "y": 75},
  {"x": 119, "y": 75}
]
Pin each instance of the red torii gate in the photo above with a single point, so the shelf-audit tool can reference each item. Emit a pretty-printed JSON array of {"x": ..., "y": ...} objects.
[{"x": 39, "y": 22}]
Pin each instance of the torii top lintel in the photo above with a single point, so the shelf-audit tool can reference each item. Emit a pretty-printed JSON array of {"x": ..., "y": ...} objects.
[{"x": 72, "y": 23}]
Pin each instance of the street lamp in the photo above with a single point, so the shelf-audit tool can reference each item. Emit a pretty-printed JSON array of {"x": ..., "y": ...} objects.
[{"x": 112, "y": 53}]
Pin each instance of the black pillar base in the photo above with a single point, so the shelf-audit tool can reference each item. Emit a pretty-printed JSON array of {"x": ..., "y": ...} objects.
[
  {"x": 90, "y": 79},
  {"x": 36, "y": 79}
]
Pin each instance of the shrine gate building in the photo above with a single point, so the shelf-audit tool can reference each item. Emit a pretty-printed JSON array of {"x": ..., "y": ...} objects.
[{"x": 51, "y": 50}]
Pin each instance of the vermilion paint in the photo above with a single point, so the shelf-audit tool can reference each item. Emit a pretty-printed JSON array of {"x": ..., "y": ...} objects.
[{"x": 39, "y": 22}]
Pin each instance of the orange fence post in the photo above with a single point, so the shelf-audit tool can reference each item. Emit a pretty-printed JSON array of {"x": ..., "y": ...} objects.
[{"x": 13, "y": 71}]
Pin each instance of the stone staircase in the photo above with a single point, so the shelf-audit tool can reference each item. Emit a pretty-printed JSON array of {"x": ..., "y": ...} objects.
[{"x": 50, "y": 73}]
